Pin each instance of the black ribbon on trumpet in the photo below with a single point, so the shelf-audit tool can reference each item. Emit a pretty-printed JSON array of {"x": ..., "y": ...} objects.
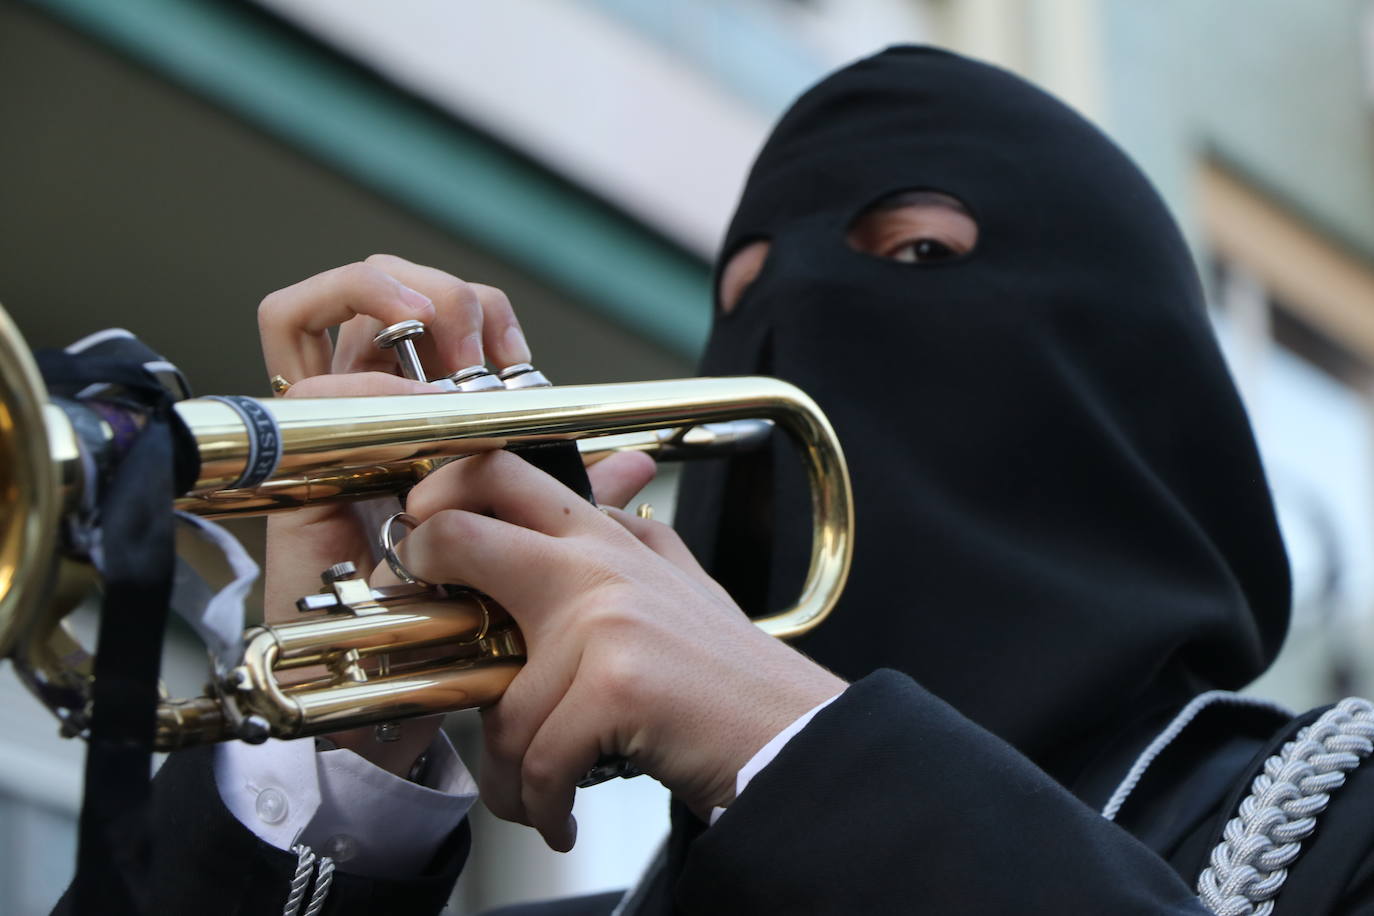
[
  {"x": 561, "y": 461},
  {"x": 131, "y": 533}
]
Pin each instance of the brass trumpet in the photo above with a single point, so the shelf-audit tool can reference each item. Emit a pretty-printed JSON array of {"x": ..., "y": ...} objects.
[{"x": 347, "y": 449}]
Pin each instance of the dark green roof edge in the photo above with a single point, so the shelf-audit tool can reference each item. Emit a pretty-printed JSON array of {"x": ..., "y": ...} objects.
[{"x": 444, "y": 170}]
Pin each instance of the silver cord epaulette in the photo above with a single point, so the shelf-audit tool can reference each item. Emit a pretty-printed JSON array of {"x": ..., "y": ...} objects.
[
  {"x": 324, "y": 876},
  {"x": 1260, "y": 844},
  {"x": 308, "y": 867}
]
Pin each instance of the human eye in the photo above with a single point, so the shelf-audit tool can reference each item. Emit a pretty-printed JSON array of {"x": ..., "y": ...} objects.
[
  {"x": 914, "y": 227},
  {"x": 921, "y": 251}
]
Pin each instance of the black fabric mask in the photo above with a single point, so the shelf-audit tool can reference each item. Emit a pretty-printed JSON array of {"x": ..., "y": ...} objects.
[{"x": 1063, "y": 523}]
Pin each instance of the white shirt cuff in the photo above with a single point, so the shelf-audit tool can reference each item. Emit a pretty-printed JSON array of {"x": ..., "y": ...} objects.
[
  {"x": 368, "y": 820},
  {"x": 770, "y": 750}
]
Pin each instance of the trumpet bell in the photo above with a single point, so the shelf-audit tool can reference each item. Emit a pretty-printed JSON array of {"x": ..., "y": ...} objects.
[{"x": 30, "y": 495}]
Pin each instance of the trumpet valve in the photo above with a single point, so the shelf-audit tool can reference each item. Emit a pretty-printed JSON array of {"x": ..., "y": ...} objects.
[
  {"x": 401, "y": 337},
  {"x": 523, "y": 375},
  {"x": 475, "y": 378}
]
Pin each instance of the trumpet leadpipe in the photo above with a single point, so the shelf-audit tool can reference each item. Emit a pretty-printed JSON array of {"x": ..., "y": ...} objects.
[{"x": 333, "y": 449}]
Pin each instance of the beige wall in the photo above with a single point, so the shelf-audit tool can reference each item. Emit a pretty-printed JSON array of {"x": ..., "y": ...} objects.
[{"x": 1055, "y": 43}]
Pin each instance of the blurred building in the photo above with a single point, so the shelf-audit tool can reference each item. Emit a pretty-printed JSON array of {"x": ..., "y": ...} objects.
[{"x": 169, "y": 161}]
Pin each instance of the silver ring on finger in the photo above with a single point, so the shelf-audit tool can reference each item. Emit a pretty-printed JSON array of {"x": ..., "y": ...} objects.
[{"x": 388, "y": 545}]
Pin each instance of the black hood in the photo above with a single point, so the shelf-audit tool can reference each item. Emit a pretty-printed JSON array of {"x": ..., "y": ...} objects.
[{"x": 1063, "y": 523}]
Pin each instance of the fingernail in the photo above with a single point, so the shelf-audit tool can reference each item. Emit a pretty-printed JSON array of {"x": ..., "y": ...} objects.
[
  {"x": 517, "y": 348},
  {"x": 471, "y": 352},
  {"x": 562, "y": 840},
  {"x": 416, "y": 300}
]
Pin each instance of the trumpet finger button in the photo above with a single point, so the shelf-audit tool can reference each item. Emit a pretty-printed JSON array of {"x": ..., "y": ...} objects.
[
  {"x": 401, "y": 337},
  {"x": 475, "y": 378},
  {"x": 523, "y": 375}
]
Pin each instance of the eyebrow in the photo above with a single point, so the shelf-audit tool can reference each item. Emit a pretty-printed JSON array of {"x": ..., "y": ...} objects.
[{"x": 918, "y": 199}]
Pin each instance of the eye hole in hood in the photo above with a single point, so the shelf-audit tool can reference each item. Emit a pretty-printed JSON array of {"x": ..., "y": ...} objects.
[{"x": 918, "y": 227}]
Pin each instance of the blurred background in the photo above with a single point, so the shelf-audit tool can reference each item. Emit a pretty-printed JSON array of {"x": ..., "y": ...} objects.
[{"x": 165, "y": 163}]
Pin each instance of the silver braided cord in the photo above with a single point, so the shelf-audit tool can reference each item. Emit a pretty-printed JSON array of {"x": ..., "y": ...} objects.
[
  {"x": 324, "y": 876},
  {"x": 1251, "y": 863},
  {"x": 305, "y": 865},
  {"x": 1180, "y": 723}
]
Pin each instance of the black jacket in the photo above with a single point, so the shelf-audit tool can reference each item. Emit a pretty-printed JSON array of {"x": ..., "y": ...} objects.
[{"x": 890, "y": 801}]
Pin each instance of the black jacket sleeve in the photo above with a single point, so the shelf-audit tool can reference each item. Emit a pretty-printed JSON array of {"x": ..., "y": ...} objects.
[
  {"x": 205, "y": 863},
  {"x": 892, "y": 802}
]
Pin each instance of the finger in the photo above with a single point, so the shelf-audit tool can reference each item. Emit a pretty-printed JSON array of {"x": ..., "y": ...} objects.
[
  {"x": 532, "y": 576},
  {"x": 454, "y": 339},
  {"x": 507, "y": 729},
  {"x": 518, "y": 567},
  {"x": 359, "y": 384},
  {"x": 443, "y": 549},
  {"x": 510, "y": 724},
  {"x": 294, "y": 322},
  {"x": 567, "y": 744},
  {"x": 617, "y": 478},
  {"x": 505, "y": 341},
  {"x": 355, "y": 349},
  {"x": 658, "y": 537},
  {"x": 665, "y": 542},
  {"x": 498, "y": 776},
  {"x": 507, "y": 487}
]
